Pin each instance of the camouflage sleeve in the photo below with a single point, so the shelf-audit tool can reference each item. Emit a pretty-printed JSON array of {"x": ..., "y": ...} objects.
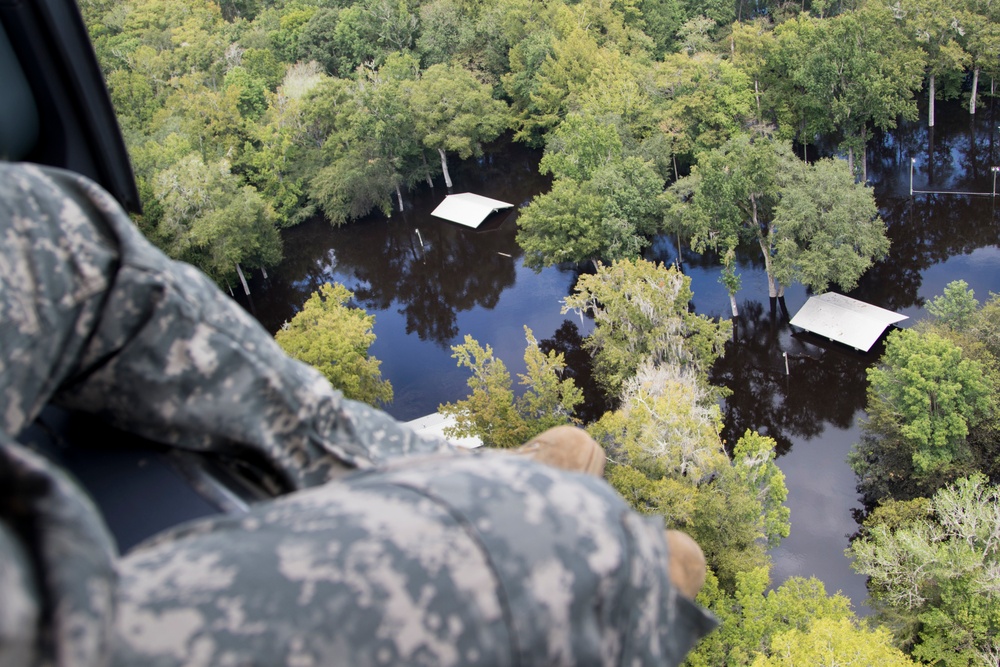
[
  {"x": 95, "y": 318},
  {"x": 57, "y": 567},
  {"x": 481, "y": 559}
]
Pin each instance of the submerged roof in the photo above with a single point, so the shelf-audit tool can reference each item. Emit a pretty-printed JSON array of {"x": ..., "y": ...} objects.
[
  {"x": 468, "y": 209},
  {"x": 435, "y": 424},
  {"x": 845, "y": 320}
]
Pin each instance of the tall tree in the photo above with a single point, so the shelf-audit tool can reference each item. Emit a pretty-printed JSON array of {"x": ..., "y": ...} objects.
[
  {"x": 834, "y": 642},
  {"x": 454, "y": 112},
  {"x": 706, "y": 100},
  {"x": 813, "y": 223},
  {"x": 827, "y": 229},
  {"x": 982, "y": 42},
  {"x": 753, "y": 617},
  {"x": 937, "y": 27},
  {"x": 371, "y": 150},
  {"x": 752, "y": 45},
  {"x": 212, "y": 221},
  {"x": 869, "y": 72},
  {"x": 731, "y": 196}
]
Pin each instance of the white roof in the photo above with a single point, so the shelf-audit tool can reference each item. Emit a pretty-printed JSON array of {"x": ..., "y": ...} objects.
[
  {"x": 468, "y": 209},
  {"x": 845, "y": 320},
  {"x": 434, "y": 425}
]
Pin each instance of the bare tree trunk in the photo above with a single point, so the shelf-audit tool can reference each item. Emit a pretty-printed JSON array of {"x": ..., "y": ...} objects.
[
  {"x": 975, "y": 88},
  {"x": 756, "y": 93},
  {"x": 239, "y": 272},
  {"x": 732, "y": 302},
  {"x": 850, "y": 160},
  {"x": 864, "y": 153},
  {"x": 930, "y": 104},
  {"x": 444, "y": 168},
  {"x": 399, "y": 197},
  {"x": 772, "y": 285},
  {"x": 430, "y": 181}
]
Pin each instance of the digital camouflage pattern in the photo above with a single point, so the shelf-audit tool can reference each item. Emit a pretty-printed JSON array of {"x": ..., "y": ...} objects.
[{"x": 412, "y": 555}]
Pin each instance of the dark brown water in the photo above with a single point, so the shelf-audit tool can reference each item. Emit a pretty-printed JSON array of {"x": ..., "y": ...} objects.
[{"x": 429, "y": 283}]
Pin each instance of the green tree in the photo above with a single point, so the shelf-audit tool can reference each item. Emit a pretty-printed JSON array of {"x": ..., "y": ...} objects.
[
  {"x": 280, "y": 155},
  {"x": 799, "y": 106},
  {"x": 562, "y": 225},
  {"x": 212, "y": 221},
  {"x": 982, "y": 42},
  {"x": 752, "y": 616},
  {"x": 731, "y": 195},
  {"x": 334, "y": 338},
  {"x": 937, "y": 27},
  {"x": 934, "y": 578},
  {"x": 493, "y": 413},
  {"x": 317, "y": 43},
  {"x": 640, "y": 311},
  {"x": 753, "y": 461},
  {"x": 579, "y": 146},
  {"x": 603, "y": 204},
  {"x": 705, "y": 100},
  {"x": 813, "y": 223},
  {"x": 455, "y": 113},
  {"x": 752, "y": 46},
  {"x": 370, "y": 148},
  {"x": 662, "y": 19},
  {"x": 666, "y": 457},
  {"x": 925, "y": 390},
  {"x": 866, "y": 72},
  {"x": 827, "y": 229},
  {"x": 955, "y": 308}
]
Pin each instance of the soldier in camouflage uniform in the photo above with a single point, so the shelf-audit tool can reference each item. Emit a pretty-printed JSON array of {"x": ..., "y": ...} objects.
[{"x": 411, "y": 554}]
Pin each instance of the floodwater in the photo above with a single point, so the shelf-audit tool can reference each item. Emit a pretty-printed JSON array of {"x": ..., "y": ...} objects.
[{"x": 430, "y": 283}]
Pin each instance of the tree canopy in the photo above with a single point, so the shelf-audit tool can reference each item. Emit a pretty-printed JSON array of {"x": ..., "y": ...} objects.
[
  {"x": 334, "y": 338},
  {"x": 493, "y": 413},
  {"x": 812, "y": 222},
  {"x": 933, "y": 578}
]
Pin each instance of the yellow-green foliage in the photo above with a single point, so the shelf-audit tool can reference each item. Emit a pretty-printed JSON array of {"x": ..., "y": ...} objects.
[{"x": 334, "y": 338}]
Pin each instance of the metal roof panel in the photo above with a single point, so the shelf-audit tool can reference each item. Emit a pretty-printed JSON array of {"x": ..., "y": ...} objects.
[
  {"x": 468, "y": 209},
  {"x": 845, "y": 320}
]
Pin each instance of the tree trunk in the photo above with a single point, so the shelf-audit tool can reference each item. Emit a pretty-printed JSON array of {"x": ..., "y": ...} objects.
[
  {"x": 864, "y": 153},
  {"x": 782, "y": 305},
  {"x": 773, "y": 288},
  {"x": 930, "y": 104},
  {"x": 850, "y": 160},
  {"x": 975, "y": 88},
  {"x": 756, "y": 93},
  {"x": 732, "y": 302},
  {"x": 239, "y": 272},
  {"x": 399, "y": 197},
  {"x": 430, "y": 181},
  {"x": 444, "y": 168}
]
